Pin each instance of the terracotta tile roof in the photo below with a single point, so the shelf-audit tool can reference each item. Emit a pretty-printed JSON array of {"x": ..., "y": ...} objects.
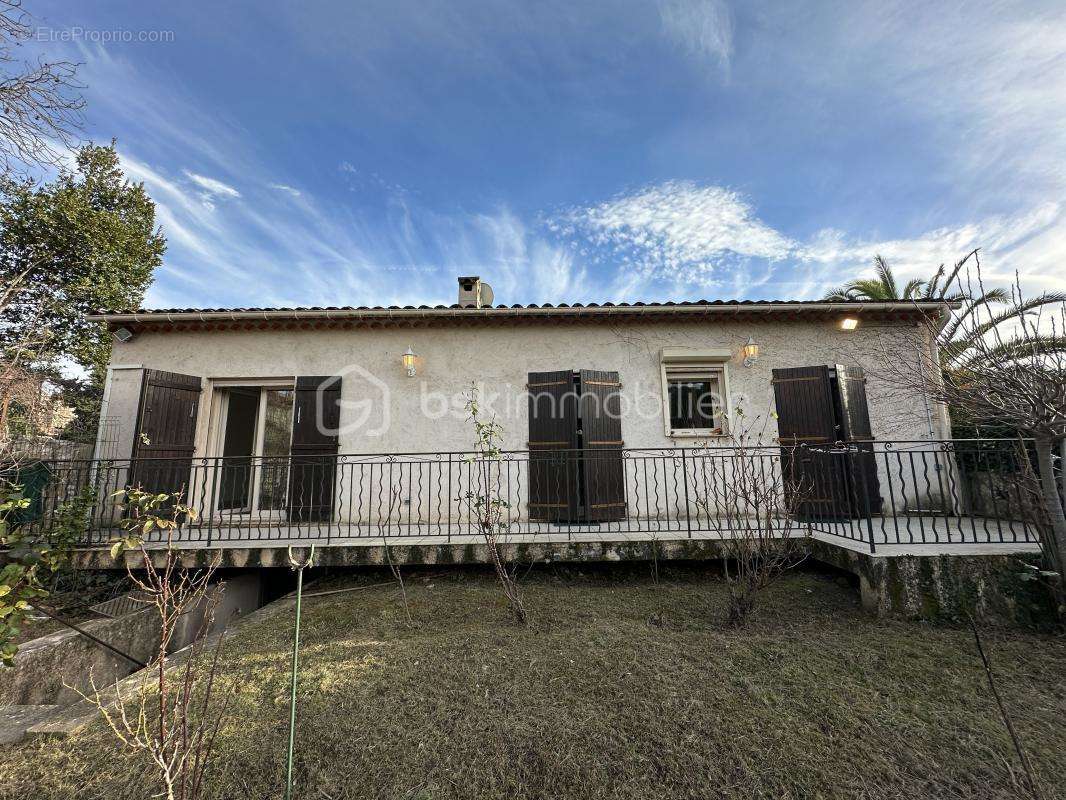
[{"x": 898, "y": 304}]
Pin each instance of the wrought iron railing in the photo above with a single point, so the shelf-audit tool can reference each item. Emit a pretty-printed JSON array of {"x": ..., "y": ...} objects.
[{"x": 873, "y": 494}]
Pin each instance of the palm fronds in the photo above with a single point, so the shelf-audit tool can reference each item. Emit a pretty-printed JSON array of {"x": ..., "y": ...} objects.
[
  {"x": 913, "y": 288},
  {"x": 841, "y": 293},
  {"x": 937, "y": 290},
  {"x": 1015, "y": 312},
  {"x": 885, "y": 284},
  {"x": 959, "y": 337},
  {"x": 882, "y": 287},
  {"x": 1013, "y": 349}
]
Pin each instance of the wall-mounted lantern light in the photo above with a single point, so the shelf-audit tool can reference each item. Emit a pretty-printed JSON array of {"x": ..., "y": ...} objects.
[
  {"x": 751, "y": 352},
  {"x": 849, "y": 324},
  {"x": 408, "y": 359}
]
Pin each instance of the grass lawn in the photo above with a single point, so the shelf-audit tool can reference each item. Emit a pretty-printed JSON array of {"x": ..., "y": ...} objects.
[{"x": 620, "y": 689}]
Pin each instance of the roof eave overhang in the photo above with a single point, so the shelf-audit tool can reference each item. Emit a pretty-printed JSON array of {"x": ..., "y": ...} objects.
[{"x": 445, "y": 314}]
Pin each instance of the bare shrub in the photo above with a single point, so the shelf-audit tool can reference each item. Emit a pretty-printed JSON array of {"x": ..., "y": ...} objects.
[
  {"x": 752, "y": 495},
  {"x": 175, "y": 713},
  {"x": 394, "y": 568},
  {"x": 486, "y": 499},
  {"x": 1032, "y": 785}
]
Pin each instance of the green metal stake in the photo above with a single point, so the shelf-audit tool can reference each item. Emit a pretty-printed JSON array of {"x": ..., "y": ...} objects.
[{"x": 299, "y": 567}]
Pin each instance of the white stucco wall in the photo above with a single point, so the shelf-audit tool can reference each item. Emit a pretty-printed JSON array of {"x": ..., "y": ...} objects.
[
  {"x": 407, "y": 415},
  {"x": 498, "y": 359}
]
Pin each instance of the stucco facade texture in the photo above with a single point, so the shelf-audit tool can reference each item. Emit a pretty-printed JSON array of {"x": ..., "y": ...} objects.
[{"x": 386, "y": 411}]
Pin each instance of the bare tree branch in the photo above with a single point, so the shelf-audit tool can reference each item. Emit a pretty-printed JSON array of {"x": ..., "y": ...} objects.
[
  {"x": 752, "y": 494},
  {"x": 40, "y": 103},
  {"x": 1014, "y": 380}
]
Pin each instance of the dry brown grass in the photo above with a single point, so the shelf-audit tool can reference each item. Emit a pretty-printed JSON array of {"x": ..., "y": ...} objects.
[{"x": 620, "y": 689}]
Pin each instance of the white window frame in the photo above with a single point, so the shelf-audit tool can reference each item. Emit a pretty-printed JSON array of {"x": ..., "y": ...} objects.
[
  {"x": 678, "y": 362},
  {"x": 218, "y": 424}
]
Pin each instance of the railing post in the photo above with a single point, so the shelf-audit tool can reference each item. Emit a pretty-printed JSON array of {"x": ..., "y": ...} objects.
[
  {"x": 684, "y": 479},
  {"x": 865, "y": 494},
  {"x": 448, "y": 494},
  {"x": 214, "y": 497}
]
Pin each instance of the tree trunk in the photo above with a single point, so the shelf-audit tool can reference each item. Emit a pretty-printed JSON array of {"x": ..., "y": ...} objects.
[
  {"x": 3, "y": 413},
  {"x": 1049, "y": 492}
]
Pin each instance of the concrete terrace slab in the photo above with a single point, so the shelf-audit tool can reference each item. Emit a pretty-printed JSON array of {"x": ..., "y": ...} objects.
[{"x": 266, "y": 546}]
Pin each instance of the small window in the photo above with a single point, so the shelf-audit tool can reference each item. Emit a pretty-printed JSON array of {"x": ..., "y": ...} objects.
[
  {"x": 694, "y": 400},
  {"x": 695, "y": 390}
]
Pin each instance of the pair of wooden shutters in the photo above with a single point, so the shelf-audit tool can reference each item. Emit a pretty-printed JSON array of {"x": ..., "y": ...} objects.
[
  {"x": 827, "y": 441},
  {"x": 576, "y": 470},
  {"x": 166, "y": 433}
]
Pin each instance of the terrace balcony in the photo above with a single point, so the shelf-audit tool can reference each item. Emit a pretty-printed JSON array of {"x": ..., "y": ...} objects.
[{"x": 884, "y": 498}]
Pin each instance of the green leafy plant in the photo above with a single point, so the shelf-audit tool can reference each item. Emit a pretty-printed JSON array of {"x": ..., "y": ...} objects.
[
  {"x": 145, "y": 512},
  {"x": 69, "y": 523},
  {"x": 37, "y": 557},
  {"x": 18, "y": 583}
]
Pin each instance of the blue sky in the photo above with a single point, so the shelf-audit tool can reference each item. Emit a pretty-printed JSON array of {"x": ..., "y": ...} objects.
[{"x": 337, "y": 153}]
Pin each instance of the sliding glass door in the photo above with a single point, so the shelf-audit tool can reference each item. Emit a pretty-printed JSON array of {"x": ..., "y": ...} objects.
[
  {"x": 256, "y": 436},
  {"x": 275, "y": 435}
]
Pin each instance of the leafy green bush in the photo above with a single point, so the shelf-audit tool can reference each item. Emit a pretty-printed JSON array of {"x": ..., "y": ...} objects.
[{"x": 36, "y": 556}]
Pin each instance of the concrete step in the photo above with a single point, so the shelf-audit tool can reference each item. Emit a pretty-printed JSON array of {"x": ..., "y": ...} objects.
[
  {"x": 16, "y": 720},
  {"x": 65, "y": 721}
]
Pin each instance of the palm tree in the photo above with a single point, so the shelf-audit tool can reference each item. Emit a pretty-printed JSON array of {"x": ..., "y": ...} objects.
[
  {"x": 882, "y": 287},
  {"x": 959, "y": 335}
]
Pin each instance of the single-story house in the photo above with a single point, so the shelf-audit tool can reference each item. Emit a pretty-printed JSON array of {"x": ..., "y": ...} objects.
[{"x": 325, "y": 415}]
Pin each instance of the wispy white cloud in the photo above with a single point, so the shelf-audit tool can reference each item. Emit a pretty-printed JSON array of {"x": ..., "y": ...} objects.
[
  {"x": 301, "y": 253},
  {"x": 212, "y": 188},
  {"x": 362, "y": 180},
  {"x": 986, "y": 76},
  {"x": 679, "y": 236},
  {"x": 996, "y": 234},
  {"x": 671, "y": 228},
  {"x": 703, "y": 28},
  {"x": 975, "y": 85},
  {"x": 289, "y": 190},
  {"x": 123, "y": 95},
  {"x": 522, "y": 263},
  {"x": 172, "y": 201}
]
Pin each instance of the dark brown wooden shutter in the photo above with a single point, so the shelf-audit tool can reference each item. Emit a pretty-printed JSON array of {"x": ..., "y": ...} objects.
[
  {"x": 600, "y": 434},
  {"x": 855, "y": 412},
  {"x": 315, "y": 424},
  {"x": 554, "y": 467},
  {"x": 855, "y": 429},
  {"x": 165, "y": 439},
  {"x": 806, "y": 423},
  {"x": 803, "y": 397}
]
